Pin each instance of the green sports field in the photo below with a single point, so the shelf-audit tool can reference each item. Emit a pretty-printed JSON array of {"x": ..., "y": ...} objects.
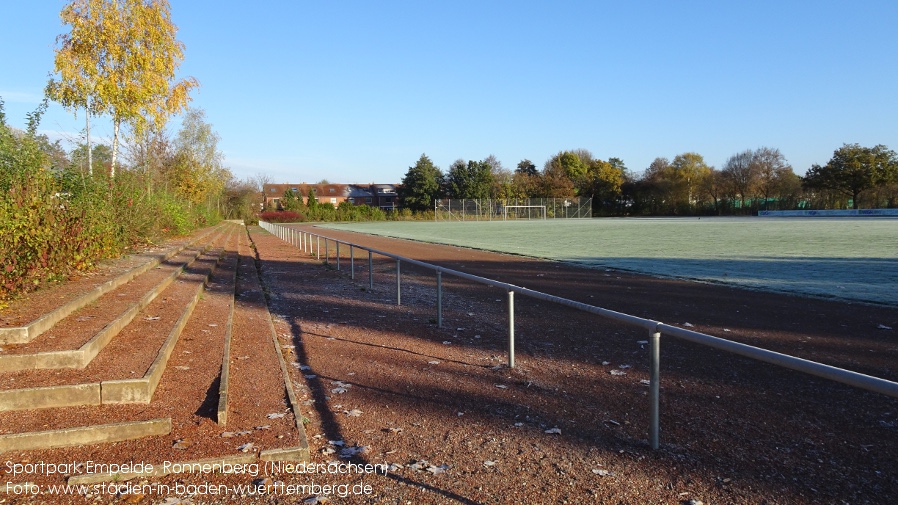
[{"x": 846, "y": 258}]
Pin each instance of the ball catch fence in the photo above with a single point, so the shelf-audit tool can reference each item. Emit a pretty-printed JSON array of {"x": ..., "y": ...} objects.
[
  {"x": 311, "y": 243},
  {"x": 511, "y": 208}
]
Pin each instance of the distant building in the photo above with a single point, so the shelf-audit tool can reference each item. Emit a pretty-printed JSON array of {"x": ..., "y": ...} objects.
[{"x": 383, "y": 196}]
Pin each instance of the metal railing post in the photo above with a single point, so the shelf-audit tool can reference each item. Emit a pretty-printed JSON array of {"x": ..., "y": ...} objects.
[
  {"x": 398, "y": 283},
  {"x": 439, "y": 299},
  {"x": 370, "y": 272},
  {"x": 318, "y": 244},
  {"x": 511, "y": 329},
  {"x": 351, "y": 262},
  {"x": 654, "y": 388},
  {"x": 338, "y": 255},
  {"x": 327, "y": 256}
]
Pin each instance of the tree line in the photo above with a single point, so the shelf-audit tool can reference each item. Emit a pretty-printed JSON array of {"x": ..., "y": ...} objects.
[{"x": 748, "y": 182}]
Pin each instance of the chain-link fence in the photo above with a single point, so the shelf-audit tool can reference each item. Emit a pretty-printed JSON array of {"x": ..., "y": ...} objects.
[{"x": 506, "y": 209}]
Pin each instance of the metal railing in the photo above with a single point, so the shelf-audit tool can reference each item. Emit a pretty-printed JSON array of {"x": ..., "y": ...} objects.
[{"x": 303, "y": 240}]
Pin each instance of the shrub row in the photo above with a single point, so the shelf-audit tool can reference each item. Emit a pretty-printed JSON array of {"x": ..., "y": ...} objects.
[
  {"x": 55, "y": 221},
  {"x": 50, "y": 230}
]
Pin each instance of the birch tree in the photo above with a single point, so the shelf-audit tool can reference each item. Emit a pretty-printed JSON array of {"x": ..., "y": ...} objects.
[{"x": 120, "y": 58}]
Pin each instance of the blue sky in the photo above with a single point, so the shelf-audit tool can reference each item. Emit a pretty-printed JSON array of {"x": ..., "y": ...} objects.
[{"x": 355, "y": 91}]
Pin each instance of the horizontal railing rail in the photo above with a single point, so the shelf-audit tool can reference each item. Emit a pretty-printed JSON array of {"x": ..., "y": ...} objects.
[{"x": 303, "y": 240}]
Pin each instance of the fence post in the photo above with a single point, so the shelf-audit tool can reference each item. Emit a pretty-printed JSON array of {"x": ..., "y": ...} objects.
[
  {"x": 370, "y": 272},
  {"x": 439, "y": 299},
  {"x": 511, "y": 329},
  {"x": 338, "y": 255},
  {"x": 327, "y": 255},
  {"x": 318, "y": 244},
  {"x": 398, "y": 283},
  {"x": 351, "y": 263},
  {"x": 654, "y": 388}
]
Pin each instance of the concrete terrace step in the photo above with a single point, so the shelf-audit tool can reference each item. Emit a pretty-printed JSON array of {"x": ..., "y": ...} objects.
[
  {"x": 27, "y": 332},
  {"x": 128, "y": 369},
  {"x": 79, "y": 337},
  {"x": 255, "y": 375},
  {"x": 115, "y": 422},
  {"x": 146, "y": 431}
]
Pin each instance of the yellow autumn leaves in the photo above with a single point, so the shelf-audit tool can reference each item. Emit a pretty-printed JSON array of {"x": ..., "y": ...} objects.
[{"x": 120, "y": 58}]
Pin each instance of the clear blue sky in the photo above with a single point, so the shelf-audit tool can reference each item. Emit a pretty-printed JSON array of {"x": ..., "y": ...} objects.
[{"x": 355, "y": 91}]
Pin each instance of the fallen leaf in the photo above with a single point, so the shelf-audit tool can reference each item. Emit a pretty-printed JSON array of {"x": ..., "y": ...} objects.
[
  {"x": 263, "y": 482},
  {"x": 350, "y": 452},
  {"x": 419, "y": 465},
  {"x": 554, "y": 431},
  {"x": 436, "y": 470}
]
